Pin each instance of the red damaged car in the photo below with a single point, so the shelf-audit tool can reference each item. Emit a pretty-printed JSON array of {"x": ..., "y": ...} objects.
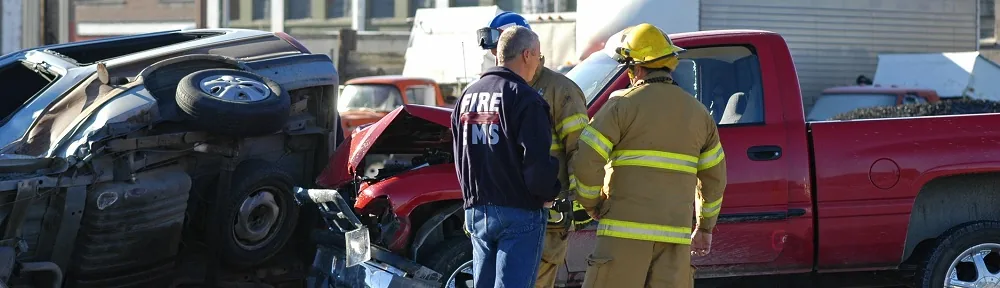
[{"x": 917, "y": 195}]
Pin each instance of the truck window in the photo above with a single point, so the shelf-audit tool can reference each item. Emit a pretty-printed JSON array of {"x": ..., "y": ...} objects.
[
  {"x": 726, "y": 80},
  {"x": 369, "y": 97},
  {"x": 594, "y": 73},
  {"x": 421, "y": 94}
]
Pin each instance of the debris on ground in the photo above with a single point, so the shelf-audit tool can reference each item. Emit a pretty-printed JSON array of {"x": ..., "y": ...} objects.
[{"x": 947, "y": 107}]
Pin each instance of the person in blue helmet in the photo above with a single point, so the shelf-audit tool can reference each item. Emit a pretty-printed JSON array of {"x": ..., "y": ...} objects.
[{"x": 568, "y": 112}]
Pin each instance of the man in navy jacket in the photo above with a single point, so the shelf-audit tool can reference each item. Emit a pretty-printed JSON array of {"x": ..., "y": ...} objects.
[{"x": 501, "y": 133}]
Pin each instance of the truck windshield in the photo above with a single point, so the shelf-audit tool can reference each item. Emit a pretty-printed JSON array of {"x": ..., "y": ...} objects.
[
  {"x": 593, "y": 74},
  {"x": 369, "y": 97},
  {"x": 830, "y": 105}
]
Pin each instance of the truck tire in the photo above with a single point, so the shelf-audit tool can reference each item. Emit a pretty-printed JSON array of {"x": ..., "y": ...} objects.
[
  {"x": 453, "y": 259},
  {"x": 259, "y": 214},
  {"x": 232, "y": 102},
  {"x": 967, "y": 253}
]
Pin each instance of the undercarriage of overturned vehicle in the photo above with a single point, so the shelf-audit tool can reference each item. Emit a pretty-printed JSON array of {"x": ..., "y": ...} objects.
[{"x": 180, "y": 175}]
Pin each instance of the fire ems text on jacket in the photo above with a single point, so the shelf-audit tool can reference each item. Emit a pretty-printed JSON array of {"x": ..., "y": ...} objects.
[{"x": 503, "y": 135}]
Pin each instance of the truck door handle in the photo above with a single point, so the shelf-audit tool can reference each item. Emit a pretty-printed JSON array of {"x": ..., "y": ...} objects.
[{"x": 764, "y": 153}]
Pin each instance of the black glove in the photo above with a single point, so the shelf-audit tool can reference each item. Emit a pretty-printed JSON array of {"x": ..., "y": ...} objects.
[{"x": 563, "y": 205}]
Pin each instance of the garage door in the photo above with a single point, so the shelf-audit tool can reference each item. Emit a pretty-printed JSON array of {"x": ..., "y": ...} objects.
[{"x": 832, "y": 42}]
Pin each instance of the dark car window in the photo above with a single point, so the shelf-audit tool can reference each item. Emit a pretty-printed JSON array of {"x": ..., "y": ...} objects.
[{"x": 28, "y": 83}]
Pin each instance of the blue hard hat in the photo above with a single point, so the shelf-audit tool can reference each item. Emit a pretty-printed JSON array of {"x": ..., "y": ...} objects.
[
  {"x": 489, "y": 36},
  {"x": 506, "y": 19}
]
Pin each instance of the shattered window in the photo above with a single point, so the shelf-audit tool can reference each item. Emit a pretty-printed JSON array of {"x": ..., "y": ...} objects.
[{"x": 29, "y": 83}]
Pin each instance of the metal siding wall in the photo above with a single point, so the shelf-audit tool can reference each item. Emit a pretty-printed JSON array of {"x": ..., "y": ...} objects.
[{"x": 832, "y": 42}]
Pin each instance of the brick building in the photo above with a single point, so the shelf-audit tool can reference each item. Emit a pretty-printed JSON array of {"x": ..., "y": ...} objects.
[{"x": 103, "y": 18}]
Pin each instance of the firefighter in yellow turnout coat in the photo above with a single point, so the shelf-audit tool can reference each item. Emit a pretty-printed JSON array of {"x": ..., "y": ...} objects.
[
  {"x": 660, "y": 142},
  {"x": 569, "y": 115}
]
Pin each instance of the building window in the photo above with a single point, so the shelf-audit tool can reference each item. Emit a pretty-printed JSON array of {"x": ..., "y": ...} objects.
[
  {"x": 519, "y": 6},
  {"x": 569, "y": 6},
  {"x": 298, "y": 9},
  {"x": 99, "y": 2},
  {"x": 469, "y": 3},
  {"x": 382, "y": 8},
  {"x": 261, "y": 9},
  {"x": 234, "y": 10},
  {"x": 417, "y": 4},
  {"x": 987, "y": 19},
  {"x": 338, "y": 8}
]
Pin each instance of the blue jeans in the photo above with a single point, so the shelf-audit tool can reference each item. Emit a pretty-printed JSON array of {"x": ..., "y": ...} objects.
[{"x": 506, "y": 245}]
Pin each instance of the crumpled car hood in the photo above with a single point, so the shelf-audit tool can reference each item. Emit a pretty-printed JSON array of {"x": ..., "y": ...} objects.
[{"x": 408, "y": 129}]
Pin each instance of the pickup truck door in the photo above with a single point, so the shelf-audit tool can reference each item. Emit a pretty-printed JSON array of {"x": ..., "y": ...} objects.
[{"x": 753, "y": 228}]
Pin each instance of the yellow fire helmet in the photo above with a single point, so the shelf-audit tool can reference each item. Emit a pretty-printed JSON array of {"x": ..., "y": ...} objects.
[{"x": 647, "y": 46}]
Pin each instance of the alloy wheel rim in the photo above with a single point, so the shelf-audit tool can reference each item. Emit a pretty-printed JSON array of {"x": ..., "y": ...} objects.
[
  {"x": 235, "y": 88},
  {"x": 976, "y": 267}
]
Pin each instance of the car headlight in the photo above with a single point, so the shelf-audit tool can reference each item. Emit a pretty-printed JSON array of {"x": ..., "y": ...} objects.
[{"x": 358, "y": 247}]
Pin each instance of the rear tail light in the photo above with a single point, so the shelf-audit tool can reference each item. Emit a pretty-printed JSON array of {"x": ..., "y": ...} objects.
[{"x": 292, "y": 41}]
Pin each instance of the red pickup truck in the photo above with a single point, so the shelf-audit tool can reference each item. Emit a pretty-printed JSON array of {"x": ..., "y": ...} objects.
[{"x": 910, "y": 194}]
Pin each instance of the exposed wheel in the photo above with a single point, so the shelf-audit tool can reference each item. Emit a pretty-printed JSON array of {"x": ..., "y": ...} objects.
[
  {"x": 260, "y": 214},
  {"x": 233, "y": 102},
  {"x": 453, "y": 259},
  {"x": 965, "y": 256}
]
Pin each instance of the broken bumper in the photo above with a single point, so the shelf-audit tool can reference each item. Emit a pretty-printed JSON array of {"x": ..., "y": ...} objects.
[
  {"x": 345, "y": 257},
  {"x": 330, "y": 270}
]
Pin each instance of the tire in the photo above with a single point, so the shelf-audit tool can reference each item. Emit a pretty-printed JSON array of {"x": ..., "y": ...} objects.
[
  {"x": 247, "y": 239},
  {"x": 451, "y": 256},
  {"x": 234, "y": 117},
  {"x": 954, "y": 246}
]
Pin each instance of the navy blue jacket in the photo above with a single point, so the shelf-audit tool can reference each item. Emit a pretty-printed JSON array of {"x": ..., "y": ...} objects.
[{"x": 501, "y": 132}]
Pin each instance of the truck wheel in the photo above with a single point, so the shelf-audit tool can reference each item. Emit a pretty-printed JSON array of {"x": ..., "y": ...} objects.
[
  {"x": 966, "y": 256},
  {"x": 453, "y": 259},
  {"x": 232, "y": 102},
  {"x": 260, "y": 214}
]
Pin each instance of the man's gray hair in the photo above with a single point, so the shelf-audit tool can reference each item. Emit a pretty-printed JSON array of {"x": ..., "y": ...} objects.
[{"x": 514, "y": 41}]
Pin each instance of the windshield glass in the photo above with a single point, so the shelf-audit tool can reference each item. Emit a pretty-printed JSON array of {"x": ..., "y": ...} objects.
[
  {"x": 593, "y": 74},
  {"x": 829, "y": 105},
  {"x": 367, "y": 97}
]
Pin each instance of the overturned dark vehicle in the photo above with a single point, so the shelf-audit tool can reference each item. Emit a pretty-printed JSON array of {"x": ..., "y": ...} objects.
[{"x": 162, "y": 159}]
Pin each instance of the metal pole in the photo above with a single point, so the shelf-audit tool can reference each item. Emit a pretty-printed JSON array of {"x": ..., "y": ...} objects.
[
  {"x": 64, "y": 20},
  {"x": 224, "y": 22},
  {"x": 212, "y": 14},
  {"x": 358, "y": 14},
  {"x": 277, "y": 15}
]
